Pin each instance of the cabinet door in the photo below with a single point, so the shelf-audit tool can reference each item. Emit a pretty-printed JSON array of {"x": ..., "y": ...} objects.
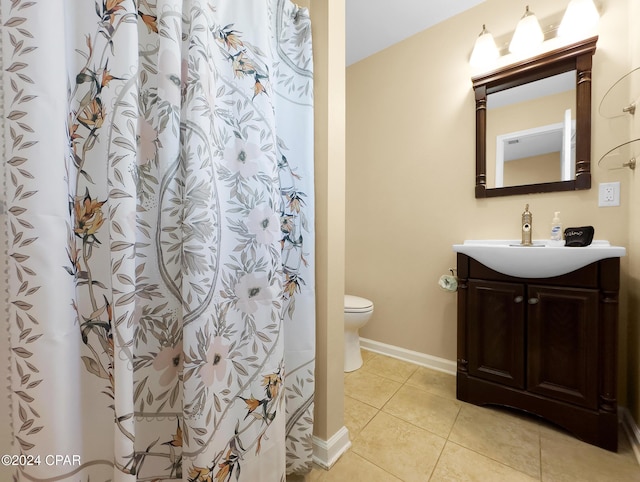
[
  {"x": 496, "y": 331},
  {"x": 562, "y": 344}
]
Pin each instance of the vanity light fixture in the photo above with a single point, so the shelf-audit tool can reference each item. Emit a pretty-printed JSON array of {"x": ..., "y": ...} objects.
[
  {"x": 528, "y": 35},
  {"x": 485, "y": 51},
  {"x": 580, "y": 20}
]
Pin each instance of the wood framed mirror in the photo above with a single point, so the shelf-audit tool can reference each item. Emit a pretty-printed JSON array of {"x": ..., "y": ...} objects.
[{"x": 533, "y": 117}]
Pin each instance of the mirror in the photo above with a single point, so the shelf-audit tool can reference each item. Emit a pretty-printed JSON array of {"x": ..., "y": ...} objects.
[
  {"x": 531, "y": 132},
  {"x": 533, "y": 124}
]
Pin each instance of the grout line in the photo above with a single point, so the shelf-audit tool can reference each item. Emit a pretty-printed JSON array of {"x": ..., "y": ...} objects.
[
  {"x": 435, "y": 466},
  {"x": 454, "y": 422},
  {"x": 446, "y": 442}
]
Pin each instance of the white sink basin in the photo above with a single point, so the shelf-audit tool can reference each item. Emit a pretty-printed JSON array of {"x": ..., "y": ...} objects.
[{"x": 543, "y": 260}]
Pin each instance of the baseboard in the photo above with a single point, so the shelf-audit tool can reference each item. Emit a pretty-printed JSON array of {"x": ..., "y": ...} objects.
[
  {"x": 327, "y": 452},
  {"x": 416, "y": 357},
  {"x": 632, "y": 430}
]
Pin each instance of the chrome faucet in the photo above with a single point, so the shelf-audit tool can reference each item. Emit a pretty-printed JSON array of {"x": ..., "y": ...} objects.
[{"x": 527, "y": 225}]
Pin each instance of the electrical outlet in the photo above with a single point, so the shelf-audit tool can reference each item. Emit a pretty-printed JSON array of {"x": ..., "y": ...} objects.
[{"x": 609, "y": 194}]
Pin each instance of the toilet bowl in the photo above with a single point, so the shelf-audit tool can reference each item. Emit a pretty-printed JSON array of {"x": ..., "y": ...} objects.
[{"x": 357, "y": 312}]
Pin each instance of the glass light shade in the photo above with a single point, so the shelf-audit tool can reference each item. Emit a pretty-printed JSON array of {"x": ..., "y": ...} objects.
[
  {"x": 528, "y": 35},
  {"x": 580, "y": 20},
  {"x": 485, "y": 51}
]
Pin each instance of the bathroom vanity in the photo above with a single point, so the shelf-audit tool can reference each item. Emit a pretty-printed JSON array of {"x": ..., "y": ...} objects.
[{"x": 546, "y": 345}]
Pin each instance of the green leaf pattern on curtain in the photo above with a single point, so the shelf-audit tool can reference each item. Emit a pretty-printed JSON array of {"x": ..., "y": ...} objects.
[{"x": 185, "y": 299}]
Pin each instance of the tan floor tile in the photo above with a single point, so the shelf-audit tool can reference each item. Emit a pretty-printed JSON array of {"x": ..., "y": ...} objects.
[
  {"x": 316, "y": 474},
  {"x": 370, "y": 388},
  {"x": 357, "y": 414},
  {"x": 353, "y": 468},
  {"x": 565, "y": 458},
  {"x": 423, "y": 409},
  {"x": 625, "y": 449},
  {"x": 526, "y": 418},
  {"x": 391, "y": 368},
  {"x": 509, "y": 439},
  {"x": 345, "y": 376},
  {"x": 367, "y": 355},
  {"x": 313, "y": 476},
  {"x": 458, "y": 464},
  {"x": 433, "y": 381},
  {"x": 406, "y": 451}
]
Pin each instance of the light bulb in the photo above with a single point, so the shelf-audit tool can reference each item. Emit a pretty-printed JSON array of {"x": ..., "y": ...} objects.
[
  {"x": 485, "y": 51},
  {"x": 528, "y": 35},
  {"x": 580, "y": 20}
]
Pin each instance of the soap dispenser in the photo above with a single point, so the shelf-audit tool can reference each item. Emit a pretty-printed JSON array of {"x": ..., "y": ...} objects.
[
  {"x": 556, "y": 227},
  {"x": 527, "y": 224}
]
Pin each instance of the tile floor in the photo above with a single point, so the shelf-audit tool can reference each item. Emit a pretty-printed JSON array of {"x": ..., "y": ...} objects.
[{"x": 405, "y": 424}]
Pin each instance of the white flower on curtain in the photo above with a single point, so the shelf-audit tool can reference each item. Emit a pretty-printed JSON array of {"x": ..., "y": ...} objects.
[
  {"x": 245, "y": 155},
  {"x": 252, "y": 291},
  {"x": 215, "y": 365},
  {"x": 264, "y": 223},
  {"x": 178, "y": 237}
]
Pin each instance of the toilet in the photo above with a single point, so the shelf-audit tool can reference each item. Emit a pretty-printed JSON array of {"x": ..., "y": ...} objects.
[{"x": 357, "y": 312}]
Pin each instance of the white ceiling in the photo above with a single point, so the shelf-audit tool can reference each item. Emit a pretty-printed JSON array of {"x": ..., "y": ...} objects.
[{"x": 373, "y": 25}]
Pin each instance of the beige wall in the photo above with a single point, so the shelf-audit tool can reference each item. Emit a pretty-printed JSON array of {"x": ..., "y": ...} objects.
[
  {"x": 410, "y": 177},
  {"x": 327, "y": 24},
  {"x": 633, "y": 375},
  {"x": 533, "y": 170}
]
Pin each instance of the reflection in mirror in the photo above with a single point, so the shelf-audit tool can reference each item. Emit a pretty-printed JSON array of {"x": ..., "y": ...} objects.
[
  {"x": 531, "y": 132},
  {"x": 528, "y": 142}
]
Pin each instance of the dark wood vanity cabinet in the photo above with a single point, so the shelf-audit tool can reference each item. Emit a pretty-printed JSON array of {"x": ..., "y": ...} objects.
[{"x": 544, "y": 345}]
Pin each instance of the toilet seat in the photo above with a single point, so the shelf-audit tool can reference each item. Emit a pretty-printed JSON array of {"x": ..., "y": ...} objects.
[{"x": 355, "y": 304}]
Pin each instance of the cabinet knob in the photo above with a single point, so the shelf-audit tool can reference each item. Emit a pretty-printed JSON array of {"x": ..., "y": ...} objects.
[
  {"x": 533, "y": 301},
  {"x": 518, "y": 299}
]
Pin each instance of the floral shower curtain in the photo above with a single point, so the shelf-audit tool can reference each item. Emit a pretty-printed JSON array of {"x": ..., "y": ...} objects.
[{"x": 158, "y": 186}]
